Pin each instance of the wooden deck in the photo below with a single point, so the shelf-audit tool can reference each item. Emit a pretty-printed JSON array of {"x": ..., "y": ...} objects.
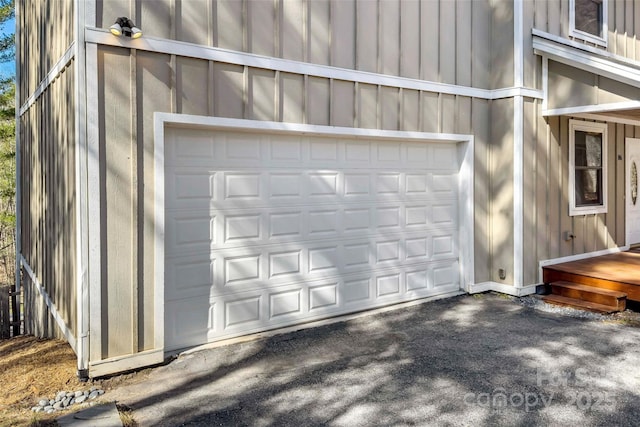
[{"x": 617, "y": 272}]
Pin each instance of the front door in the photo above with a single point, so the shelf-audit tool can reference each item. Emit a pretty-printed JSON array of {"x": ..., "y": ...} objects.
[{"x": 632, "y": 167}]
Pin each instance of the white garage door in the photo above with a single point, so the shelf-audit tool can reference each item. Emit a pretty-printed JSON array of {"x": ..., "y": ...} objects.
[{"x": 268, "y": 230}]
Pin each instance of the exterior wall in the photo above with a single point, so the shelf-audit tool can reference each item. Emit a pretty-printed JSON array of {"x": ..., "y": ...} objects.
[
  {"x": 413, "y": 39},
  {"x": 152, "y": 82},
  {"x": 571, "y": 87},
  {"x": 47, "y": 164},
  {"x": 547, "y": 194},
  {"x": 47, "y": 32},
  {"x": 300, "y": 31},
  {"x": 552, "y": 16}
]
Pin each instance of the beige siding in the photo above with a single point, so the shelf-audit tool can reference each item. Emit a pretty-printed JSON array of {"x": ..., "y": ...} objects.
[
  {"x": 501, "y": 243},
  {"x": 47, "y": 32},
  {"x": 547, "y": 194},
  {"x": 48, "y": 205},
  {"x": 623, "y": 36},
  {"x": 572, "y": 87},
  {"x": 160, "y": 82},
  {"x": 415, "y": 39}
]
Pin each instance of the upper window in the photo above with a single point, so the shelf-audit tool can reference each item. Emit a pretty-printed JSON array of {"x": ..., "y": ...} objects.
[
  {"x": 589, "y": 20},
  {"x": 587, "y": 168}
]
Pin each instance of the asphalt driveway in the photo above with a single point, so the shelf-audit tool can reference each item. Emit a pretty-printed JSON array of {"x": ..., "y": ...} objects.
[{"x": 468, "y": 360}]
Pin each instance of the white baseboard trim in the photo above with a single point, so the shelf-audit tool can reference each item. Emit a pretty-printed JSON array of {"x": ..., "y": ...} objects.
[
  {"x": 52, "y": 307},
  {"x": 578, "y": 257},
  {"x": 502, "y": 288}
]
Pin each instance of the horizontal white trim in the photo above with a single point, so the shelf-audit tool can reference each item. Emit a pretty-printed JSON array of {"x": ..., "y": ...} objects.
[
  {"x": 584, "y": 47},
  {"x": 179, "y": 48},
  {"x": 55, "y": 71},
  {"x": 502, "y": 288},
  {"x": 596, "y": 108},
  {"x": 578, "y": 257},
  {"x": 52, "y": 307},
  {"x": 584, "y": 59},
  {"x": 605, "y": 118},
  {"x": 303, "y": 129},
  {"x": 124, "y": 363}
]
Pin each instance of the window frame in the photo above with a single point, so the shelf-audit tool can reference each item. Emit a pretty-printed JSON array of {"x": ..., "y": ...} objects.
[
  {"x": 588, "y": 37},
  {"x": 577, "y": 125}
]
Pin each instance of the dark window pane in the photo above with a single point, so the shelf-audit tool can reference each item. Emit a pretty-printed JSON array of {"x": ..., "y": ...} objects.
[
  {"x": 589, "y": 187},
  {"x": 588, "y": 15}
]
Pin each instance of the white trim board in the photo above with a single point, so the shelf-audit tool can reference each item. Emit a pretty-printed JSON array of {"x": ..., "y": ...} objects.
[
  {"x": 161, "y": 120},
  {"x": 586, "y": 60},
  {"x": 570, "y": 258},
  {"x": 173, "y": 47},
  {"x": 52, "y": 307},
  {"x": 55, "y": 71},
  {"x": 594, "y": 108}
]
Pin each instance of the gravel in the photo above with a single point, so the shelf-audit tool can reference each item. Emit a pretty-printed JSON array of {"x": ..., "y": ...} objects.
[{"x": 65, "y": 399}]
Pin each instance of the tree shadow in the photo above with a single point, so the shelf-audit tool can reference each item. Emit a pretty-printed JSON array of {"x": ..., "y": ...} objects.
[{"x": 464, "y": 360}]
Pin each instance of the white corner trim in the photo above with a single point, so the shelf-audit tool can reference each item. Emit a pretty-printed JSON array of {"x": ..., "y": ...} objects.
[
  {"x": 94, "y": 244},
  {"x": 518, "y": 43},
  {"x": 80, "y": 160},
  {"x": 52, "y": 307},
  {"x": 518, "y": 191},
  {"x": 594, "y": 108},
  {"x": 593, "y": 62},
  {"x": 607, "y": 118},
  {"x": 179, "y": 48},
  {"x": 126, "y": 362},
  {"x": 578, "y": 257},
  {"x": 55, "y": 71},
  {"x": 158, "y": 185},
  {"x": 502, "y": 288}
]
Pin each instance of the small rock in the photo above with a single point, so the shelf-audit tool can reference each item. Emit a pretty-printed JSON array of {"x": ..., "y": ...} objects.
[
  {"x": 94, "y": 394},
  {"x": 86, "y": 393},
  {"x": 57, "y": 405},
  {"x": 66, "y": 401},
  {"x": 72, "y": 401},
  {"x": 36, "y": 408},
  {"x": 52, "y": 401},
  {"x": 43, "y": 403},
  {"x": 48, "y": 408},
  {"x": 78, "y": 393},
  {"x": 61, "y": 395},
  {"x": 93, "y": 389},
  {"x": 71, "y": 394},
  {"x": 100, "y": 392},
  {"x": 81, "y": 399},
  {"x": 50, "y": 411}
]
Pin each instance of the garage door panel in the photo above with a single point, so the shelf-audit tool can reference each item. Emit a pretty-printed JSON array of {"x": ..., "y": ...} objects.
[{"x": 271, "y": 230}]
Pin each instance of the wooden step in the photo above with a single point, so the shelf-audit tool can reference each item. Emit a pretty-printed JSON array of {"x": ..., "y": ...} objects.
[
  {"x": 579, "y": 304},
  {"x": 601, "y": 296}
]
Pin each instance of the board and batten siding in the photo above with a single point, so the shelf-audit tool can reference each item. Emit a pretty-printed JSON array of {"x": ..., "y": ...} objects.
[
  {"x": 47, "y": 32},
  {"x": 546, "y": 193},
  {"x": 435, "y": 40},
  {"x": 623, "y": 38},
  {"x": 48, "y": 205},
  {"x": 148, "y": 82},
  {"x": 47, "y": 164}
]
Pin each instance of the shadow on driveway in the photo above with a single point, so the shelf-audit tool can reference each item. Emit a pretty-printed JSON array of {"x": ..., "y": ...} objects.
[{"x": 469, "y": 360}]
